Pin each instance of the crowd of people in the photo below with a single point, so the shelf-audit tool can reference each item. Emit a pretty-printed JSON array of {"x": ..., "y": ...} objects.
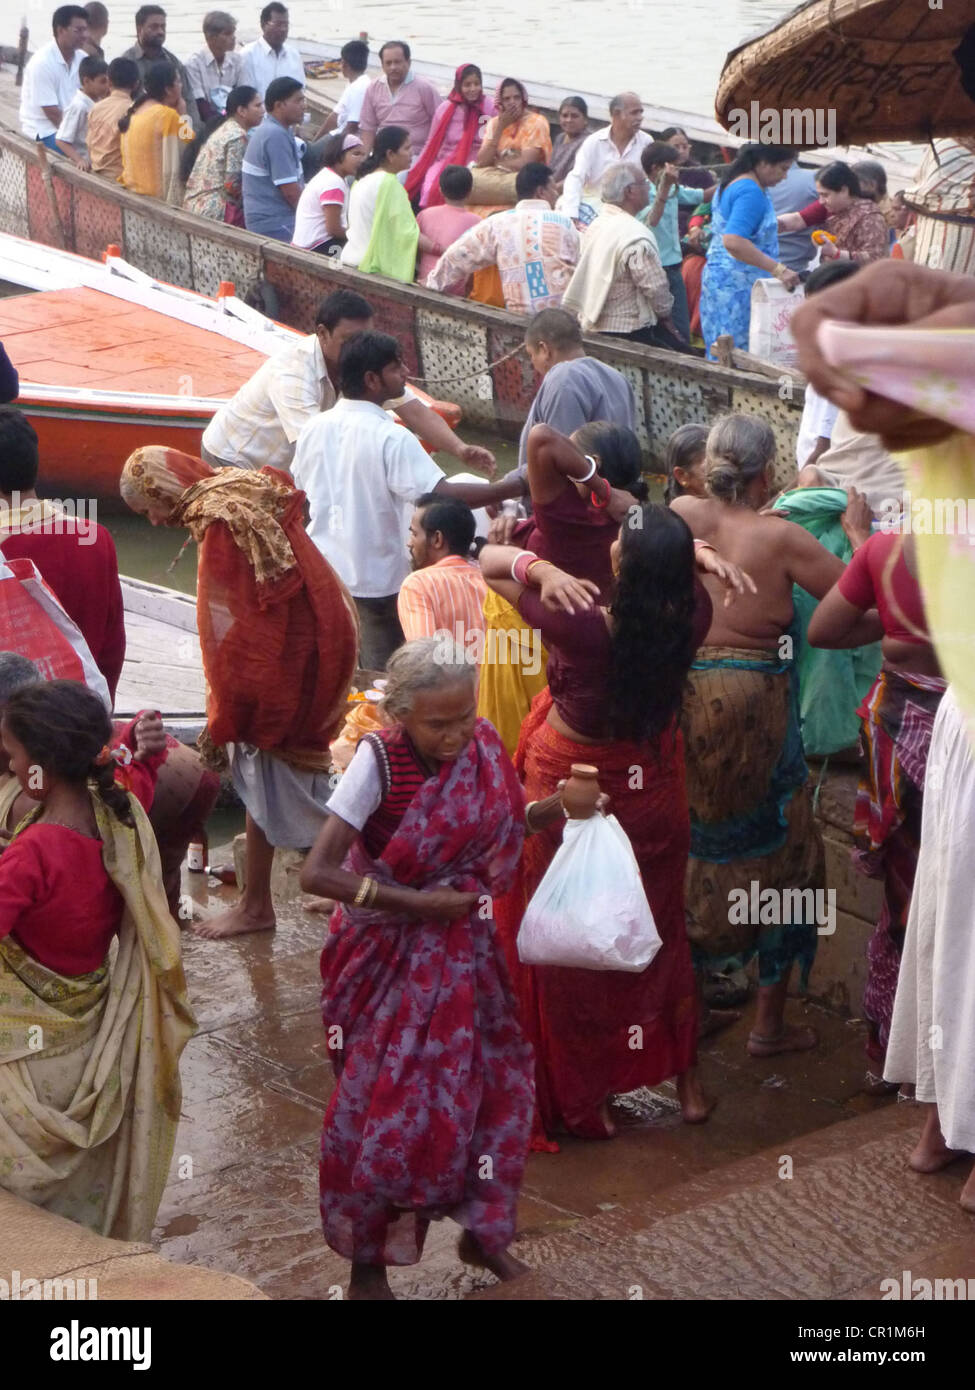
[
  {"x": 654, "y": 642},
  {"x": 661, "y": 643},
  {"x": 468, "y": 194}
]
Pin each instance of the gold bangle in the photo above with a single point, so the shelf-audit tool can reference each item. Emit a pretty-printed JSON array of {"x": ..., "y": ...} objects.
[
  {"x": 373, "y": 892},
  {"x": 529, "y": 568},
  {"x": 363, "y": 892}
]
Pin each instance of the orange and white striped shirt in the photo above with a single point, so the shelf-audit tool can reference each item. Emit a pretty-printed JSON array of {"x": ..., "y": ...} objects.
[{"x": 446, "y": 595}]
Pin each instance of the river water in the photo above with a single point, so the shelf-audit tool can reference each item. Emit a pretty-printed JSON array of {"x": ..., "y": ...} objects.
[{"x": 670, "y": 51}]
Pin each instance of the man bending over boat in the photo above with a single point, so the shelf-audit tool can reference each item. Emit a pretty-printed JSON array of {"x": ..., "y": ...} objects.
[{"x": 260, "y": 425}]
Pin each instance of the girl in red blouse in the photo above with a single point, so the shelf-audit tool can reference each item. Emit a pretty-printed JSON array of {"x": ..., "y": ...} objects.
[
  {"x": 93, "y": 1030},
  {"x": 56, "y": 897}
]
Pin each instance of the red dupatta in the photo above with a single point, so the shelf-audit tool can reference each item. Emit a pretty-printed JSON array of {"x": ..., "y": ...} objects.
[{"x": 431, "y": 150}]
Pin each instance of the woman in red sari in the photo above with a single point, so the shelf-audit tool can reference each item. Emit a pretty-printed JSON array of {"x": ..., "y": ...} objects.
[
  {"x": 616, "y": 678},
  {"x": 268, "y": 603},
  {"x": 432, "y": 1110},
  {"x": 455, "y": 135}
]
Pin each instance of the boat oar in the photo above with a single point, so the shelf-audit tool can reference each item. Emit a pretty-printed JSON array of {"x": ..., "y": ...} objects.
[
  {"x": 52, "y": 197},
  {"x": 22, "y": 51}
]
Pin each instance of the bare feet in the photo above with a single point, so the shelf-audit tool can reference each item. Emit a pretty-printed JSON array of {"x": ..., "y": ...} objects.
[
  {"x": 713, "y": 1020},
  {"x": 235, "y": 922},
  {"x": 967, "y": 1197},
  {"x": 596, "y": 1124},
  {"x": 368, "y": 1283},
  {"x": 695, "y": 1105},
  {"x": 791, "y": 1039},
  {"x": 324, "y": 906},
  {"x": 932, "y": 1153},
  {"x": 502, "y": 1265}
]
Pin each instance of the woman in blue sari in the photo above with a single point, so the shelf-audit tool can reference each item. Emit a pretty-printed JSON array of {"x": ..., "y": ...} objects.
[{"x": 744, "y": 242}]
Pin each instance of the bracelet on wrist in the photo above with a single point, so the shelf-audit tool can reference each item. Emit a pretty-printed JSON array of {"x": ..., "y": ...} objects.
[
  {"x": 520, "y": 565},
  {"x": 592, "y": 470},
  {"x": 531, "y": 565}
]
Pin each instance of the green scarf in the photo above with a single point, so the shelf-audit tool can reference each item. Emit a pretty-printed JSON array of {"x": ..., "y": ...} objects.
[
  {"x": 395, "y": 235},
  {"x": 831, "y": 683}
]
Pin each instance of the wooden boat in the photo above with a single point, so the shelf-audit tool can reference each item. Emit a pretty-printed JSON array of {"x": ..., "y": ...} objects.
[
  {"x": 163, "y": 666},
  {"x": 111, "y": 358},
  {"x": 707, "y": 135},
  {"x": 467, "y": 353}
]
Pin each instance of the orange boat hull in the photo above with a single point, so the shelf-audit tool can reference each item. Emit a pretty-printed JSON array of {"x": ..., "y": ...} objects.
[{"x": 83, "y": 457}]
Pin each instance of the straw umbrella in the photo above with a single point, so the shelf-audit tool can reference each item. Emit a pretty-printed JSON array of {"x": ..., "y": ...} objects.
[{"x": 879, "y": 69}]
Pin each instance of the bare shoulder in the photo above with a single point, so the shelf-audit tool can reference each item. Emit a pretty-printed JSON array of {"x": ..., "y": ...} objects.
[{"x": 698, "y": 512}]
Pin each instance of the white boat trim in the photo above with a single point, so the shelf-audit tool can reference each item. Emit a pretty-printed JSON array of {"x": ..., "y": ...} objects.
[
  {"x": 89, "y": 403},
  {"x": 39, "y": 267}
]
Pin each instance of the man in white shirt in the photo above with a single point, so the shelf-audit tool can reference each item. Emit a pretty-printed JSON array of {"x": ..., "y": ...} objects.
[
  {"x": 215, "y": 70},
  {"x": 355, "y": 60},
  {"x": 622, "y": 141},
  {"x": 260, "y": 424},
  {"x": 51, "y": 76},
  {"x": 362, "y": 473},
  {"x": 270, "y": 56}
]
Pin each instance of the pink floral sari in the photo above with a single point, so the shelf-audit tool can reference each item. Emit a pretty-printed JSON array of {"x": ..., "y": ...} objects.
[{"x": 432, "y": 1112}]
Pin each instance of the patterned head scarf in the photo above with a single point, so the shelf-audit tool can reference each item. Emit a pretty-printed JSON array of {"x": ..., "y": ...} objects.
[{"x": 250, "y": 503}]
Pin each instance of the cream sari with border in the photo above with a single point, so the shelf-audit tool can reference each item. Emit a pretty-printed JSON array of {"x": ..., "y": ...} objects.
[{"x": 89, "y": 1065}]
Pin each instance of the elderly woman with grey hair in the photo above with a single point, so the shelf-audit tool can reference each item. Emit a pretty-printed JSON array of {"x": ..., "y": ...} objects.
[
  {"x": 432, "y": 1110},
  {"x": 751, "y": 811},
  {"x": 619, "y": 285}
]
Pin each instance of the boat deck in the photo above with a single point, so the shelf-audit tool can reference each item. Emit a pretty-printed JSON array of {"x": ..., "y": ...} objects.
[
  {"x": 81, "y": 337},
  {"x": 163, "y": 666}
]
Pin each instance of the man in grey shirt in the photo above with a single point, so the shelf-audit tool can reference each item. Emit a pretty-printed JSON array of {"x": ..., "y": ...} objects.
[
  {"x": 796, "y": 191},
  {"x": 150, "y": 29},
  {"x": 575, "y": 389}
]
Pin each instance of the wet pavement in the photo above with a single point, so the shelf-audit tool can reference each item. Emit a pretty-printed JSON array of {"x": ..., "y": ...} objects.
[{"x": 243, "y": 1192}]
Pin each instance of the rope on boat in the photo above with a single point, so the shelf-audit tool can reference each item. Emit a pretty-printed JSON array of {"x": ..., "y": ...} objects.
[{"x": 454, "y": 380}]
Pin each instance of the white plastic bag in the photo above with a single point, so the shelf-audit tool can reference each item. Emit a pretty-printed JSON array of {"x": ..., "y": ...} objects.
[
  {"x": 769, "y": 335},
  {"x": 590, "y": 910}
]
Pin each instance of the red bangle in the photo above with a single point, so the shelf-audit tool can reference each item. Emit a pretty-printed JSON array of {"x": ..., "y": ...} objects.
[{"x": 596, "y": 502}]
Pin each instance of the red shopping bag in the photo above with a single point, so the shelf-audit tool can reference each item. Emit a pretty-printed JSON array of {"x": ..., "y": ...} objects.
[{"x": 33, "y": 624}]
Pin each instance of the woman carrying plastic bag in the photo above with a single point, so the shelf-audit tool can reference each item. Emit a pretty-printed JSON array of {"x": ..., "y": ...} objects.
[
  {"x": 616, "y": 678},
  {"x": 590, "y": 911}
]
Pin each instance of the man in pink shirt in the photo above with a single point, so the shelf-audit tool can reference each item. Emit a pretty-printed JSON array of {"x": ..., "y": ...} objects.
[
  {"x": 447, "y": 221},
  {"x": 398, "y": 98}
]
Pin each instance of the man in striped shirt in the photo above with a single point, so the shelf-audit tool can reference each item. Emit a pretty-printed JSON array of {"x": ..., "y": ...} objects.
[{"x": 445, "y": 592}]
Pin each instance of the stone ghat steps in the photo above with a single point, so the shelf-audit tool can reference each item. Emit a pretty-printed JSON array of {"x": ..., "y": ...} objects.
[{"x": 852, "y": 1214}]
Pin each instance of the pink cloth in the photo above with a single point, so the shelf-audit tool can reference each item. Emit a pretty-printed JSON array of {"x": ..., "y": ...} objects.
[
  {"x": 451, "y": 140},
  {"x": 443, "y": 224}
]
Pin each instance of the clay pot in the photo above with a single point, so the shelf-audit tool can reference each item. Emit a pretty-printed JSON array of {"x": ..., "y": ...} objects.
[{"x": 581, "y": 792}]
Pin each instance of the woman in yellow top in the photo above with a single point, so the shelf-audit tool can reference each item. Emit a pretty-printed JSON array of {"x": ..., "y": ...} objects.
[
  {"x": 154, "y": 130},
  {"x": 515, "y": 136}
]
